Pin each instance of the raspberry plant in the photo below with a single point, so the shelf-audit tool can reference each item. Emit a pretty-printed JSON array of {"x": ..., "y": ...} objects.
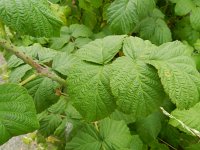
[{"x": 101, "y": 74}]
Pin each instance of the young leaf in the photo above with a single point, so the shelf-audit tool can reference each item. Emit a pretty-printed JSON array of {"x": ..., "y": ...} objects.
[
  {"x": 177, "y": 72},
  {"x": 32, "y": 17},
  {"x": 88, "y": 88},
  {"x": 111, "y": 135},
  {"x": 101, "y": 51},
  {"x": 17, "y": 112}
]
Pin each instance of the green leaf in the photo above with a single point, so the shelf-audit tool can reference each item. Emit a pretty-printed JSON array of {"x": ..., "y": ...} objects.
[
  {"x": 43, "y": 92},
  {"x": 178, "y": 73},
  {"x": 101, "y": 51},
  {"x": 193, "y": 147},
  {"x": 96, "y": 3},
  {"x": 122, "y": 16},
  {"x": 155, "y": 145},
  {"x": 135, "y": 84},
  {"x": 17, "y": 112},
  {"x": 115, "y": 134},
  {"x": 80, "y": 42},
  {"x": 58, "y": 42},
  {"x": 89, "y": 90},
  {"x": 184, "y": 31},
  {"x": 137, "y": 143},
  {"x": 118, "y": 115},
  {"x": 49, "y": 123},
  {"x": 32, "y": 17},
  {"x": 149, "y": 127},
  {"x": 78, "y": 30},
  {"x": 111, "y": 135},
  {"x": 183, "y": 7},
  {"x": 18, "y": 73},
  {"x": 62, "y": 62},
  {"x": 195, "y": 18},
  {"x": 137, "y": 48},
  {"x": 89, "y": 19},
  {"x": 155, "y": 30},
  {"x": 188, "y": 117},
  {"x": 36, "y": 51},
  {"x": 144, "y": 8}
]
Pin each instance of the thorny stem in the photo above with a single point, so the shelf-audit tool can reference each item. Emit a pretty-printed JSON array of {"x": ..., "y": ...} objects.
[{"x": 41, "y": 70}]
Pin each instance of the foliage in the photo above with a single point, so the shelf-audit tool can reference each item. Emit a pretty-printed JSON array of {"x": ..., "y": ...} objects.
[{"x": 120, "y": 60}]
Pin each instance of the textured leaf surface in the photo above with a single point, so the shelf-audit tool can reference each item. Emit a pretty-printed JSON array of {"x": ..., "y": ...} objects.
[
  {"x": 112, "y": 135},
  {"x": 135, "y": 84},
  {"x": 43, "y": 92},
  {"x": 32, "y": 17},
  {"x": 178, "y": 73},
  {"x": 155, "y": 30},
  {"x": 122, "y": 16},
  {"x": 89, "y": 90},
  {"x": 188, "y": 117},
  {"x": 137, "y": 48},
  {"x": 17, "y": 112},
  {"x": 101, "y": 51}
]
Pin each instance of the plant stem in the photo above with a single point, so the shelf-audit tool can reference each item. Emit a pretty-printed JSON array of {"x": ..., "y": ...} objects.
[
  {"x": 28, "y": 79},
  {"x": 43, "y": 71}
]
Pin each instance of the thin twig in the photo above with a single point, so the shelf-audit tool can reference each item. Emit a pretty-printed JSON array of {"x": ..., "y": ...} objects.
[
  {"x": 167, "y": 144},
  {"x": 191, "y": 130},
  {"x": 28, "y": 79},
  {"x": 41, "y": 70}
]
